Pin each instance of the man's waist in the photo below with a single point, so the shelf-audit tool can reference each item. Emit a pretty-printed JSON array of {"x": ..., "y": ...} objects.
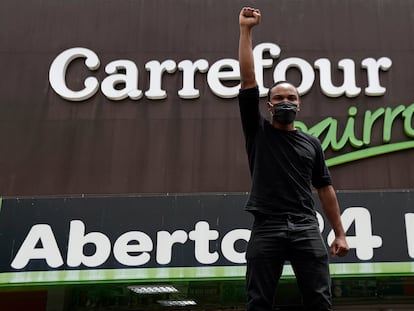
[{"x": 283, "y": 217}]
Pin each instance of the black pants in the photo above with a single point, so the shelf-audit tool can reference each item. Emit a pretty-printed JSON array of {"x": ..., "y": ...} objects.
[{"x": 274, "y": 240}]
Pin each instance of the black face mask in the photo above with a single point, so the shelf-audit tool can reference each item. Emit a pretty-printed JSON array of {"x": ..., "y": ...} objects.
[{"x": 285, "y": 112}]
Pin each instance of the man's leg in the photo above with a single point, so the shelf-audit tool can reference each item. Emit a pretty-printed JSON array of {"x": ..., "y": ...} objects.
[
  {"x": 265, "y": 258},
  {"x": 261, "y": 280},
  {"x": 309, "y": 259}
]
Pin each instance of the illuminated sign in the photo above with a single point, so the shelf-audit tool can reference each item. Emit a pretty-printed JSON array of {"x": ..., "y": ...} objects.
[{"x": 110, "y": 238}]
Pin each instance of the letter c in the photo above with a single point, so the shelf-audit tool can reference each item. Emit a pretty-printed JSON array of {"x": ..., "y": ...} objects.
[
  {"x": 227, "y": 245},
  {"x": 57, "y": 74}
]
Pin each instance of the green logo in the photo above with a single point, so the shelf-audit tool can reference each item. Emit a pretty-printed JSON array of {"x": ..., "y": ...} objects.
[{"x": 327, "y": 131}]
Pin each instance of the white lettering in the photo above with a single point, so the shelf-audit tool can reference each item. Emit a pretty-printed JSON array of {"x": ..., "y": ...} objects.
[
  {"x": 123, "y": 247},
  {"x": 189, "y": 69},
  {"x": 227, "y": 245},
  {"x": 133, "y": 248},
  {"x": 363, "y": 241},
  {"x": 227, "y": 70},
  {"x": 130, "y": 79},
  {"x": 373, "y": 66},
  {"x": 165, "y": 243},
  {"x": 156, "y": 70},
  {"x": 57, "y": 74},
  {"x": 320, "y": 221},
  {"x": 28, "y": 250},
  {"x": 409, "y": 227},
  {"x": 77, "y": 241},
  {"x": 223, "y": 77},
  {"x": 260, "y": 63},
  {"x": 348, "y": 87},
  {"x": 306, "y": 70},
  {"x": 202, "y": 235}
]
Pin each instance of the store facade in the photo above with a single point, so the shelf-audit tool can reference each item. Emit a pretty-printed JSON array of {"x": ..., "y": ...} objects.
[{"x": 123, "y": 161}]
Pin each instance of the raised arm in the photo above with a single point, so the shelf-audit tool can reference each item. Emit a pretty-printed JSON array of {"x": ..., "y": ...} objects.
[{"x": 248, "y": 18}]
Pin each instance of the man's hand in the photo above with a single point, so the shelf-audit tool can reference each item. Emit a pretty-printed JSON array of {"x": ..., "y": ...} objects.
[
  {"x": 330, "y": 207},
  {"x": 249, "y": 17},
  {"x": 339, "y": 247}
]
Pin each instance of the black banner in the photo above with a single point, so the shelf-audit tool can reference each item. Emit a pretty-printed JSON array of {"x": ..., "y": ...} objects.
[{"x": 183, "y": 231}]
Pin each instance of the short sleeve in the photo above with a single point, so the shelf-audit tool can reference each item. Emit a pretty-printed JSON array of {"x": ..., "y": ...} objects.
[{"x": 321, "y": 176}]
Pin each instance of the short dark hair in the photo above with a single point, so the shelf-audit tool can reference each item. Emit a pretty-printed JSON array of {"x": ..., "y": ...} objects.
[{"x": 277, "y": 83}]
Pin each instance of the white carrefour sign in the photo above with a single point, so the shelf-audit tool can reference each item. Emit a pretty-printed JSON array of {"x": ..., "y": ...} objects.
[{"x": 126, "y": 73}]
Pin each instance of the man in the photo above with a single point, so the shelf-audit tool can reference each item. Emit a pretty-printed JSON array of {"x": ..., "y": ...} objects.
[{"x": 284, "y": 163}]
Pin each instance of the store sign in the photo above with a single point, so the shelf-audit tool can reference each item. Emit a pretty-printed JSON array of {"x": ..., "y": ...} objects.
[
  {"x": 125, "y": 73},
  {"x": 116, "y": 107},
  {"x": 97, "y": 238}
]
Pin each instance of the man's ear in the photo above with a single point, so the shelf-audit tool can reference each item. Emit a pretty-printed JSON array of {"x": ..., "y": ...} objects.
[
  {"x": 269, "y": 106},
  {"x": 299, "y": 106}
]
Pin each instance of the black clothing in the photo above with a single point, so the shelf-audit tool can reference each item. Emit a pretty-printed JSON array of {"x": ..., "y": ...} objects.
[
  {"x": 283, "y": 164},
  {"x": 272, "y": 242}
]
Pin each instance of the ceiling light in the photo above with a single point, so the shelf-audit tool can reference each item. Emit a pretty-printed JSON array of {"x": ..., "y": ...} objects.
[
  {"x": 153, "y": 289},
  {"x": 177, "y": 303}
]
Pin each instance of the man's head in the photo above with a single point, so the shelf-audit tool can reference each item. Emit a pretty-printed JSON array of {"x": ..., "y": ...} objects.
[
  {"x": 283, "y": 103},
  {"x": 281, "y": 84}
]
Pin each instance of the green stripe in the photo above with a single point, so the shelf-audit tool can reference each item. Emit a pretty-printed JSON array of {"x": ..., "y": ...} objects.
[
  {"x": 187, "y": 274},
  {"x": 369, "y": 152}
]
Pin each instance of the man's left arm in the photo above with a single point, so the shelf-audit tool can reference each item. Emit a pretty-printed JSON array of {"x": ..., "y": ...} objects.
[{"x": 330, "y": 207}]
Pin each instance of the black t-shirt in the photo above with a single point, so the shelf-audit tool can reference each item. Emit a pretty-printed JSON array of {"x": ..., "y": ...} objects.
[{"x": 283, "y": 164}]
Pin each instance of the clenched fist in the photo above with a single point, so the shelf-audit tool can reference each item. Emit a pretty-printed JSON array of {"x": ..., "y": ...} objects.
[{"x": 249, "y": 17}]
